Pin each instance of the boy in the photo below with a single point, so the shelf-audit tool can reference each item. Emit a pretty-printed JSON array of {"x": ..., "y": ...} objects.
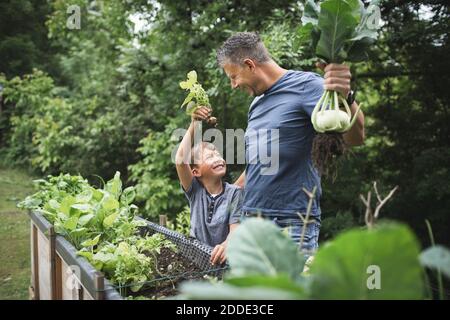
[{"x": 215, "y": 205}]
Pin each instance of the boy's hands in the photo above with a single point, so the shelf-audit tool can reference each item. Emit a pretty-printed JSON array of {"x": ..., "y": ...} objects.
[
  {"x": 201, "y": 114},
  {"x": 218, "y": 254},
  {"x": 204, "y": 114}
]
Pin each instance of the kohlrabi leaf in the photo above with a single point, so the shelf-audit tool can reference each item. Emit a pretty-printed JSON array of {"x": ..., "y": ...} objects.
[
  {"x": 365, "y": 33},
  {"x": 337, "y": 22},
  {"x": 311, "y": 13},
  {"x": 259, "y": 247}
]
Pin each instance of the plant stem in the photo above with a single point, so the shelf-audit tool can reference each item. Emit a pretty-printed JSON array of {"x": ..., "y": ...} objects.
[
  {"x": 308, "y": 212},
  {"x": 439, "y": 274}
]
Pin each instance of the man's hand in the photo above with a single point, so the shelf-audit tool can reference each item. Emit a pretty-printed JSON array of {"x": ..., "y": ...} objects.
[
  {"x": 337, "y": 77},
  {"x": 201, "y": 113},
  {"x": 218, "y": 254}
]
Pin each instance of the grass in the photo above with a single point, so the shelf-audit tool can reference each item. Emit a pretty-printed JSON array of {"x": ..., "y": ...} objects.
[{"x": 15, "y": 273}]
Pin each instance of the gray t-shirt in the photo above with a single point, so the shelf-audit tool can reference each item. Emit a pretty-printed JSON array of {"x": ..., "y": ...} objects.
[{"x": 211, "y": 216}]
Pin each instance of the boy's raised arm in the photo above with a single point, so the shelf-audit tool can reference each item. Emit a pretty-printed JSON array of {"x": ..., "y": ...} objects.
[{"x": 183, "y": 156}]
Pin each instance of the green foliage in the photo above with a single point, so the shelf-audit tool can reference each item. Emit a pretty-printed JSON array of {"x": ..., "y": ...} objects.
[
  {"x": 133, "y": 261},
  {"x": 182, "y": 222},
  {"x": 100, "y": 223},
  {"x": 30, "y": 97},
  {"x": 81, "y": 212},
  {"x": 111, "y": 85},
  {"x": 263, "y": 288},
  {"x": 334, "y": 225},
  {"x": 23, "y": 38},
  {"x": 249, "y": 252},
  {"x": 339, "y": 270},
  {"x": 196, "y": 93},
  {"x": 155, "y": 176},
  {"x": 341, "y": 30}
]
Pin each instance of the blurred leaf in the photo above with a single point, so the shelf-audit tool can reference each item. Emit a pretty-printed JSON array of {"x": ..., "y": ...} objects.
[
  {"x": 344, "y": 268},
  {"x": 437, "y": 258},
  {"x": 259, "y": 247}
]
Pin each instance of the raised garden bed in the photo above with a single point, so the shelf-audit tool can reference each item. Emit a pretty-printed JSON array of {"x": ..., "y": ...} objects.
[{"x": 58, "y": 273}]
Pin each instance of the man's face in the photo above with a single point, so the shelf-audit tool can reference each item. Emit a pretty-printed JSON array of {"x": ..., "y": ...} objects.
[{"x": 242, "y": 77}]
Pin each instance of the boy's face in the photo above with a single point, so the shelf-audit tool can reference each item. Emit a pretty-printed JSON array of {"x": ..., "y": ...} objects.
[{"x": 212, "y": 165}]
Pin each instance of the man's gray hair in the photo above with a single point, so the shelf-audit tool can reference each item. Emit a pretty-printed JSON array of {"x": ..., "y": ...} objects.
[{"x": 241, "y": 46}]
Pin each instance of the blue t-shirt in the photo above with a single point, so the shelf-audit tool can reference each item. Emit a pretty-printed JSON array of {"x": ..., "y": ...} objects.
[{"x": 275, "y": 187}]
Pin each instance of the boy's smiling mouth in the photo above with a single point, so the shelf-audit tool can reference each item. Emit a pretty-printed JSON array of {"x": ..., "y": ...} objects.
[{"x": 220, "y": 165}]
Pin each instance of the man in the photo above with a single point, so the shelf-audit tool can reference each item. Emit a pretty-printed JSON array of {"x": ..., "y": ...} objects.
[{"x": 284, "y": 101}]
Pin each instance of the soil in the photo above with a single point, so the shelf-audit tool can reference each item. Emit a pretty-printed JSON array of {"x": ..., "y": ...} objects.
[
  {"x": 173, "y": 265},
  {"x": 327, "y": 148}
]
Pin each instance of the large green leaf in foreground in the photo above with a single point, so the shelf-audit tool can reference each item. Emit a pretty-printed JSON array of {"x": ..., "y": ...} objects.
[
  {"x": 251, "y": 287},
  {"x": 259, "y": 247},
  {"x": 347, "y": 268}
]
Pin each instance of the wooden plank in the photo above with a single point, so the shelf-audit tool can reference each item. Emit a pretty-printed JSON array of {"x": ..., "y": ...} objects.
[
  {"x": 34, "y": 262},
  {"x": 71, "y": 284},
  {"x": 58, "y": 276},
  {"x": 45, "y": 290}
]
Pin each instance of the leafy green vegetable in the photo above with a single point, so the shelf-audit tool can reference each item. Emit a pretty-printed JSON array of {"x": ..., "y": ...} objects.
[
  {"x": 196, "y": 93},
  {"x": 100, "y": 223},
  {"x": 339, "y": 30},
  {"x": 197, "y": 96}
]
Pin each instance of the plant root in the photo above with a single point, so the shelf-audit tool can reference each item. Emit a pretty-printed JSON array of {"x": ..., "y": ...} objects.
[{"x": 327, "y": 148}]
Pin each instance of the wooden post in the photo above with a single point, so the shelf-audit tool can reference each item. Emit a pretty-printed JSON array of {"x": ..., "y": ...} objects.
[
  {"x": 52, "y": 255},
  {"x": 99, "y": 279},
  {"x": 163, "y": 220},
  {"x": 59, "y": 278}
]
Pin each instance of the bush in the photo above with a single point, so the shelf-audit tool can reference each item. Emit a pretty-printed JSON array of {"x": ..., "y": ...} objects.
[{"x": 155, "y": 175}]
